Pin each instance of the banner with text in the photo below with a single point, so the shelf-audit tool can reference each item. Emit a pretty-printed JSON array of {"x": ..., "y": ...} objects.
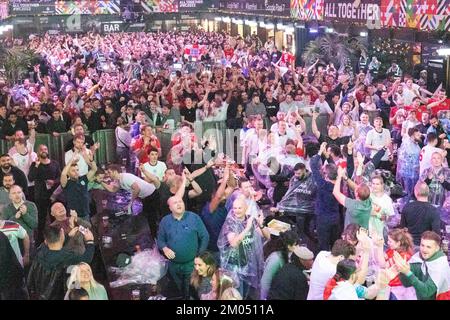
[
  {"x": 272, "y": 7},
  {"x": 193, "y": 5},
  {"x": 31, "y": 7},
  {"x": 51, "y": 7},
  {"x": 351, "y": 11}
]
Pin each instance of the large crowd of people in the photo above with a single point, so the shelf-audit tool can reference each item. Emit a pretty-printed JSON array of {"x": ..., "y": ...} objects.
[{"x": 354, "y": 163}]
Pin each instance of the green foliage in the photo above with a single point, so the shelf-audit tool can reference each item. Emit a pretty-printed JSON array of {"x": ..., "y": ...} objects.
[
  {"x": 17, "y": 62},
  {"x": 387, "y": 51},
  {"x": 334, "y": 48}
]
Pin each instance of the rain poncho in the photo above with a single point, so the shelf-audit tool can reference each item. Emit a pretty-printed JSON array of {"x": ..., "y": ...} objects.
[
  {"x": 300, "y": 197},
  {"x": 408, "y": 160},
  {"x": 437, "y": 191},
  {"x": 146, "y": 267},
  {"x": 247, "y": 260}
]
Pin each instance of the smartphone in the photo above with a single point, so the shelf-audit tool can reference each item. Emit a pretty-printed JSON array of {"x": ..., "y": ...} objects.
[{"x": 82, "y": 229}]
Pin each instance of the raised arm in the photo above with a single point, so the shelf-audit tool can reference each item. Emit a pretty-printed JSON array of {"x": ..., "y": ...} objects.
[
  {"x": 340, "y": 197},
  {"x": 315, "y": 130}
]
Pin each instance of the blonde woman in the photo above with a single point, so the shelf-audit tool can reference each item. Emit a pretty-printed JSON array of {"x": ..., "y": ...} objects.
[
  {"x": 346, "y": 128},
  {"x": 81, "y": 277}
]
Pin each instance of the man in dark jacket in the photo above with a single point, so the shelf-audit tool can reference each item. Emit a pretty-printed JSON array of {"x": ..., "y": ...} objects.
[
  {"x": 290, "y": 282},
  {"x": 19, "y": 177},
  {"x": 327, "y": 208},
  {"x": 47, "y": 272},
  {"x": 299, "y": 200}
]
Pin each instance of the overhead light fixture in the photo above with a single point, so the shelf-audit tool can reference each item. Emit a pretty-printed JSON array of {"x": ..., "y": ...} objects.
[
  {"x": 440, "y": 41},
  {"x": 262, "y": 24},
  {"x": 363, "y": 34},
  {"x": 443, "y": 52},
  {"x": 226, "y": 19},
  {"x": 329, "y": 30},
  {"x": 237, "y": 21},
  {"x": 251, "y": 23},
  {"x": 301, "y": 26},
  {"x": 280, "y": 26},
  {"x": 269, "y": 26},
  {"x": 313, "y": 30},
  {"x": 217, "y": 18}
]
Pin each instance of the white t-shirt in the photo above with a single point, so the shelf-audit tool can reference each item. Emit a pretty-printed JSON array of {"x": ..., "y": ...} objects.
[
  {"x": 408, "y": 94},
  {"x": 425, "y": 157},
  {"x": 221, "y": 112},
  {"x": 251, "y": 141},
  {"x": 158, "y": 170},
  {"x": 24, "y": 163},
  {"x": 377, "y": 139},
  {"x": 13, "y": 150},
  {"x": 280, "y": 140},
  {"x": 127, "y": 179},
  {"x": 322, "y": 271},
  {"x": 324, "y": 106},
  {"x": 83, "y": 167},
  {"x": 344, "y": 291}
]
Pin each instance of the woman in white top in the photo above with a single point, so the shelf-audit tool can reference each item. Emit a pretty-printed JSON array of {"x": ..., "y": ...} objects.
[{"x": 369, "y": 104}]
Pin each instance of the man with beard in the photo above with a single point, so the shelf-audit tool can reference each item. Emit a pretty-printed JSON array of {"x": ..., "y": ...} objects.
[
  {"x": 299, "y": 200},
  {"x": 427, "y": 271},
  {"x": 19, "y": 177},
  {"x": 8, "y": 182},
  {"x": 45, "y": 173},
  {"x": 89, "y": 142}
]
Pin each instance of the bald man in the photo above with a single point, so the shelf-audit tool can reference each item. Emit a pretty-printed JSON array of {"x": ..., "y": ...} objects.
[
  {"x": 181, "y": 236},
  {"x": 420, "y": 216},
  {"x": 20, "y": 210}
]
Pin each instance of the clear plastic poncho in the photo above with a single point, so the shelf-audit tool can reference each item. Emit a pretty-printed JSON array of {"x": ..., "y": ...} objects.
[
  {"x": 146, "y": 267},
  {"x": 408, "y": 160},
  {"x": 438, "y": 193},
  {"x": 300, "y": 197},
  {"x": 247, "y": 260}
]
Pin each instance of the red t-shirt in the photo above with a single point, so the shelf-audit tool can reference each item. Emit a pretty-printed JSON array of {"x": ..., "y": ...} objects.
[
  {"x": 139, "y": 144},
  {"x": 390, "y": 260},
  {"x": 443, "y": 106},
  {"x": 229, "y": 53},
  {"x": 287, "y": 58},
  {"x": 361, "y": 96}
]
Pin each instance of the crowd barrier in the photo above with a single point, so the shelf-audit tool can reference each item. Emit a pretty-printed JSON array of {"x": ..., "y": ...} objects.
[{"x": 107, "y": 151}]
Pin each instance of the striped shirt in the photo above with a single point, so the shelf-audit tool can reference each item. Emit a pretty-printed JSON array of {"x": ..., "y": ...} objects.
[{"x": 14, "y": 232}]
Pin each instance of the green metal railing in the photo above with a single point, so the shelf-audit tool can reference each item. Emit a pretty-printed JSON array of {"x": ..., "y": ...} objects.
[{"x": 107, "y": 151}]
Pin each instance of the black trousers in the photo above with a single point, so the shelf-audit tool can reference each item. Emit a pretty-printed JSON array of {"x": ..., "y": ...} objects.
[
  {"x": 327, "y": 234},
  {"x": 43, "y": 206},
  {"x": 151, "y": 210}
]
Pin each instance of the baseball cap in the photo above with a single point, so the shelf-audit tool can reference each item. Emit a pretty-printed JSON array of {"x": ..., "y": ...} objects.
[{"x": 303, "y": 253}]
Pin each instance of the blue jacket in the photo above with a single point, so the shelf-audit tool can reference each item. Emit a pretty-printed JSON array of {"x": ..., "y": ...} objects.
[{"x": 327, "y": 207}]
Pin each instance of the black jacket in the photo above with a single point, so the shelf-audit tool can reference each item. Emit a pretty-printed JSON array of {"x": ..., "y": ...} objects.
[
  {"x": 48, "y": 272},
  {"x": 290, "y": 283},
  {"x": 19, "y": 178}
]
